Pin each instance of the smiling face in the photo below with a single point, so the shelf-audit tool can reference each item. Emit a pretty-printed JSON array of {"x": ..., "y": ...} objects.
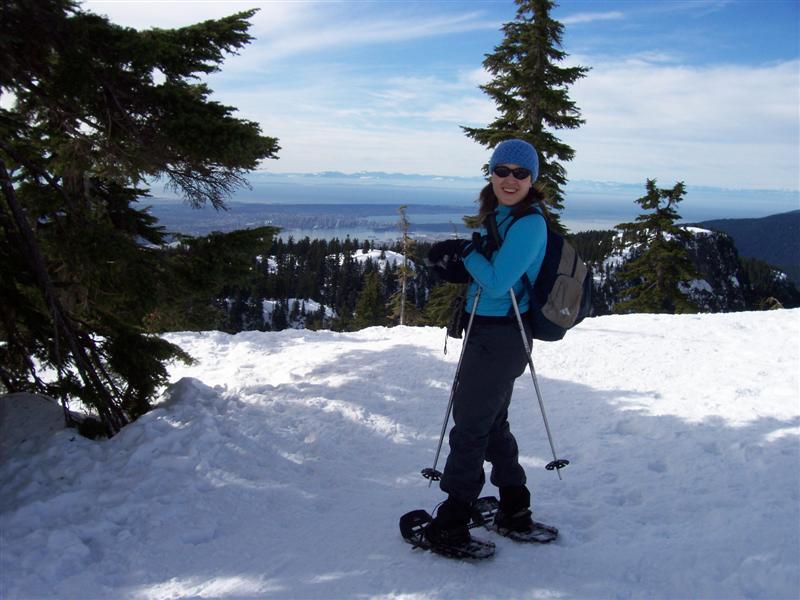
[{"x": 509, "y": 190}]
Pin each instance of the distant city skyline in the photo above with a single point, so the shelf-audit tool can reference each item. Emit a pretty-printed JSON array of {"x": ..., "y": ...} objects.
[{"x": 705, "y": 91}]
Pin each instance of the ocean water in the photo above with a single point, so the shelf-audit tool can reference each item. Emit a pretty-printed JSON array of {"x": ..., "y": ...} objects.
[{"x": 365, "y": 206}]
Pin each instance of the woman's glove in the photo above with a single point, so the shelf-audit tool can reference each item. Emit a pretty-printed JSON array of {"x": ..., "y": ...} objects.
[
  {"x": 447, "y": 260},
  {"x": 449, "y": 248}
]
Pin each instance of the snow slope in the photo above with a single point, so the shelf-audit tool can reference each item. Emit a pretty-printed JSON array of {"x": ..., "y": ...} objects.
[
  {"x": 396, "y": 259},
  {"x": 278, "y": 466}
]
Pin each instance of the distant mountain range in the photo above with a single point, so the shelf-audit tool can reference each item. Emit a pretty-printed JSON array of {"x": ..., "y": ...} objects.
[
  {"x": 600, "y": 201},
  {"x": 774, "y": 239}
]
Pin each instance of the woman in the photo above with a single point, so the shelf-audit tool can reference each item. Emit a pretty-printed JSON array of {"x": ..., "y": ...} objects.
[{"x": 494, "y": 356}]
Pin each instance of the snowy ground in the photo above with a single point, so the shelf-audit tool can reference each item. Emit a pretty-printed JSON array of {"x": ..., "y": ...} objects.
[{"x": 279, "y": 465}]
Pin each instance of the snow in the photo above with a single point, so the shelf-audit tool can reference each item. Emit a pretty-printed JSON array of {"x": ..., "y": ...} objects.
[
  {"x": 306, "y": 305},
  {"x": 698, "y": 231},
  {"x": 696, "y": 285},
  {"x": 279, "y": 464},
  {"x": 619, "y": 255},
  {"x": 395, "y": 258},
  {"x": 272, "y": 263}
]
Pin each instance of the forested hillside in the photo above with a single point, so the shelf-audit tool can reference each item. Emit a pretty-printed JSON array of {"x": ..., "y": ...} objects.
[
  {"x": 726, "y": 281},
  {"x": 774, "y": 239},
  {"x": 254, "y": 280},
  {"x": 313, "y": 284},
  {"x": 262, "y": 282}
]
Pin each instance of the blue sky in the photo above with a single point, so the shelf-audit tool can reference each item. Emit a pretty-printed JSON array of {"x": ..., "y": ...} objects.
[{"x": 704, "y": 91}]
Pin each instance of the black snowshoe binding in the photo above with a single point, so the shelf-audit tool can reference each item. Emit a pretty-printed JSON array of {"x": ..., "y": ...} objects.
[
  {"x": 420, "y": 530},
  {"x": 519, "y": 527}
]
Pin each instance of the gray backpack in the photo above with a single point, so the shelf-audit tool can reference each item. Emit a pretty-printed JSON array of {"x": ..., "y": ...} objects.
[{"x": 561, "y": 296}]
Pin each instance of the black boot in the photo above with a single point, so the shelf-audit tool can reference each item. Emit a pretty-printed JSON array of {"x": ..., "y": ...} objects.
[
  {"x": 448, "y": 533},
  {"x": 514, "y": 516},
  {"x": 450, "y": 526}
]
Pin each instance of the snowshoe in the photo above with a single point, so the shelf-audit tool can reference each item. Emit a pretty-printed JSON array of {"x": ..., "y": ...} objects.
[
  {"x": 413, "y": 527},
  {"x": 520, "y": 528}
]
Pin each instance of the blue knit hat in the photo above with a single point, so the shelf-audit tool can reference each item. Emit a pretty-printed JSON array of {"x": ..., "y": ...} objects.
[{"x": 516, "y": 152}]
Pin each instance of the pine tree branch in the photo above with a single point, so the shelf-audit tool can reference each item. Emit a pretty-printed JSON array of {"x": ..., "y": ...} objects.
[
  {"x": 114, "y": 420},
  {"x": 33, "y": 168}
]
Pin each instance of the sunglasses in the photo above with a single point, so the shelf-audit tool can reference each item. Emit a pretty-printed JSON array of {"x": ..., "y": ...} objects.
[{"x": 518, "y": 173}]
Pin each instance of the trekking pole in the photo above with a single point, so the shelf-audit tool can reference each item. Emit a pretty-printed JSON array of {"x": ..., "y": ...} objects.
[
  {"x": 432, "y": 474},
  {"x": 556, "y": 463}
]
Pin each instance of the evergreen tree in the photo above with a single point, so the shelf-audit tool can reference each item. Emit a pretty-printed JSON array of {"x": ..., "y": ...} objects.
[
  {"x": 280, "y": 315},
  {"x": 389, "y": 279},
  {"x": 316, "y": 320},
  {"x": 766, "y": 286},
  {"x": 662, "y": 264},
  {"x": 236, "y": 320},
  {"x": 294, "y": 312},
  {"x": 439, "y": 307},
  {"x": 399, "y": 300},
  {"x": 593, "y": 246},
  {"x": 91, "y": 112},
  {"x": 411, "y": 314},
  {"x": 370, "y": 305},
  {"x": 530, "y": 90},
  {"x": 199, "y": 270},
  {"x": 254, "y": 314},
  {"x": 348, "y": 285}
]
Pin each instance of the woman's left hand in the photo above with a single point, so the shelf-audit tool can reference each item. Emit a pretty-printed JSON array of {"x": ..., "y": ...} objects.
[{"x": 446, "y": 259}]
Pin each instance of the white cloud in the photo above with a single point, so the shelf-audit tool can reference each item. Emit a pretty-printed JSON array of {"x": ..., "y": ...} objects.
[
  {"x": 395, "y": 130},
  {"x": 144, "y": 14},
  {"x": 475, "y": 77},
  {"x": 591, "y": 17},
  {"x": 323, "y": 145},
  {"x": 715, "y": 125},
  {"x": 465, "y": 110},
  {"x": 727, "y": 126},
  {"x": 285, "y": 29},
  {"x": 349, "y": 31},
  {"x": 648, "y": 115},
  {"x": 433, "y": 99}
]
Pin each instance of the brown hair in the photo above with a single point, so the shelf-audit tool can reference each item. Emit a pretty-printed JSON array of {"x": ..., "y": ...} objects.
[{"x": 487, "y": 202}]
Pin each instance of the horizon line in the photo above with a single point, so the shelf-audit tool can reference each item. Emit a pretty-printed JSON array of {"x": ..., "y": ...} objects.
[{"x": 399, "y": 174}]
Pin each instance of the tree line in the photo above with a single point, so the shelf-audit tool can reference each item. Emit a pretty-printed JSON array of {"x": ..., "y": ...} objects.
[
  {"x": 346, "y": 291},
  {"x": 256, "y": 280}
]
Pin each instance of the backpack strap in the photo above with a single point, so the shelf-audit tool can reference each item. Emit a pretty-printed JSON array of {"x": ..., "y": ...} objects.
[
  {"x": 494, "y": 233},
  {"x": 494, "y": 236},
  {"x": 531, "y": 210},
  {"x": 494, "y": 239}
]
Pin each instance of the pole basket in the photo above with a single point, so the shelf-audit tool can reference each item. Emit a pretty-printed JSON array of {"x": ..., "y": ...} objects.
[
  {"x": 431, "y": 474},
  {"x": 559, "y": 463}
]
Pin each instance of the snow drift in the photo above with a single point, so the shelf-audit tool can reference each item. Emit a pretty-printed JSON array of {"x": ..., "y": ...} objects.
[{"x": 279, "y": 464}]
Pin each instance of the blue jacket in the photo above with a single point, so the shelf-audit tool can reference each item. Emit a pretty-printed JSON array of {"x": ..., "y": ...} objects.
[{"x": 522, "y": 251}]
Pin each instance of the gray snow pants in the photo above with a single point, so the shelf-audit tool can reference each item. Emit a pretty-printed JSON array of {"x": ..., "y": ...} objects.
[{"x": 493, "y": 360}]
